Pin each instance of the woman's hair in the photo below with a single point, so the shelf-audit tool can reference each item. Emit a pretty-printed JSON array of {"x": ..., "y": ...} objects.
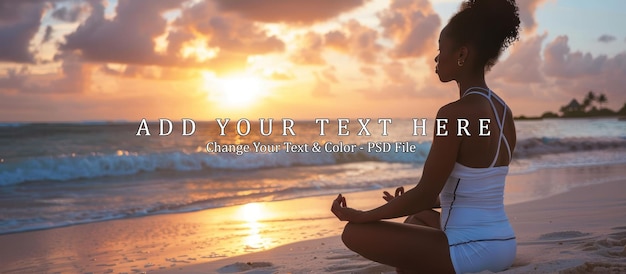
[{"x": 488, "y": 25}]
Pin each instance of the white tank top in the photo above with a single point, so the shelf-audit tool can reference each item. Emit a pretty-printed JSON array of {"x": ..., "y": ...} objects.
[{"x": 472, "y": 200}]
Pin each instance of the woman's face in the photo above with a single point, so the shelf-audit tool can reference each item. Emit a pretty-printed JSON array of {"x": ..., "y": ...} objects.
[{"x": 447, "y": 65}]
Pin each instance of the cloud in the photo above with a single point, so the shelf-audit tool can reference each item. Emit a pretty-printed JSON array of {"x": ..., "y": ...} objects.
[
  {"x": 231, "y": 37},
  {"x": 241, "y": 36},
  {"x": 329, "y": 74},
  {"x": 138, "y": 22},
  {"x": 19, "y": 22},
  {"x": 289, "y": 11},
  {"x": 310, "y": 47},
  {"x": 235, "y": 38},
  {"x": 74, "y": 77},
  {"x": 561, "y": 62},
  {"x": 47, "y": 35},
  {"x": 321, "y": 88},
  {"x": 557, "y": 77},
  {"x": 150, "y": 72},
  {"x": 356, "y": 40},
  {"x": 395, "y": 72},
  {"x": 396, "y": 84},
  {"x": 337, "y": 40},
  {"x": 279, "y": 75},
  {"x": 527, "y": 14},
  {"x": 391, "y": 91},
  {"x": 14, "y": 79},
  {"x": 412, "y": 25},
  {"x": 605, "y": 38},
  {"x": 133, "y": 71},
  {"x": 71, "y": 14},
  {"x": 369, "y": 71},
  {"x": 524, "y": 63}
]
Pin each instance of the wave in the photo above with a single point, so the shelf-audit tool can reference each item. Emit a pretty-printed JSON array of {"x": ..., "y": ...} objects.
[
  {"x": 10, "y": 125},
  {"x": 154, "y": 206},
  {"x": 73, "y": 167},
  {"x": 541, "y": 146}
]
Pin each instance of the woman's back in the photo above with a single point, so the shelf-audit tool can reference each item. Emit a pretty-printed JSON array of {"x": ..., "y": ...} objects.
[
  {"x": 480, "y": 151},
  {"x": 472, "y": 200}
]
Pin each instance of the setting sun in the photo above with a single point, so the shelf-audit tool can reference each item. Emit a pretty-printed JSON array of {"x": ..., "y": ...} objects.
[{"x": 233, "y": 91}]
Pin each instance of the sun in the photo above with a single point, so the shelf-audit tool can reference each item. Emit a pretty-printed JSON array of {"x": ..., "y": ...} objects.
[{"x": 234, "y": 90}]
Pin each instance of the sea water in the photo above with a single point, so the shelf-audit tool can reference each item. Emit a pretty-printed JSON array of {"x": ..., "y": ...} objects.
[{"x": 56, "y": 174}]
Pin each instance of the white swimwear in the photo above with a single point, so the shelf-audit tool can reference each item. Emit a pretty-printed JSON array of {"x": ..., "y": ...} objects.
[{"x": 472, "y": 210}]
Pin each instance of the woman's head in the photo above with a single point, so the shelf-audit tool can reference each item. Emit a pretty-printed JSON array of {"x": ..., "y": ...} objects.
[{"x": 477, "y": 34}]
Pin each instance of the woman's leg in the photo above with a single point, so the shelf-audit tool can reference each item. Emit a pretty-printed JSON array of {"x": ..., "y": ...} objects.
[{"x": 405, "y": 246}]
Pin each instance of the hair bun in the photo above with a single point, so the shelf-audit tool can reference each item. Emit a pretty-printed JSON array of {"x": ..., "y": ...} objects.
[
  {"x": 499, "y": 16},
  {"x": 489, "y": 25}
]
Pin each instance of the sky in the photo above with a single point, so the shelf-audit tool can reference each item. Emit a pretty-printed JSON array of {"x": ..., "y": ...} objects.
[{"x": 126, "y": 60}]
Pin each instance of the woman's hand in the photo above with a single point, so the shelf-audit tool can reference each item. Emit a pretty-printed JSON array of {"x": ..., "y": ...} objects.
[
  {"x": 388, "y": 197},
  {"x": 344, "y": 213}
]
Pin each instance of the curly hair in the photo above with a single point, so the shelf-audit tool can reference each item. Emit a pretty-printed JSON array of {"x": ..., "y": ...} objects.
[{"x": 489, "y": 25}]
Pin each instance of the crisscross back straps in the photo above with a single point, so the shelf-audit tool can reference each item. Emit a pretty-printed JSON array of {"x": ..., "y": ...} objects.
[{"x": 499, "y": 121}]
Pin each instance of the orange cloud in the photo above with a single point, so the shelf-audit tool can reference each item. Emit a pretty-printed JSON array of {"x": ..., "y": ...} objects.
[
  {"x": 234, "y": 37},
  {"x": 289, "y": 11},
  {"x": 356, "y": 40},
  {"x": 413, "y": 25},
  {"x": 74, "y": 77},
  {"x": 309, "y": 52},
  {"x": 321, "y": 88},
  {"x": 369, "y": 71}
]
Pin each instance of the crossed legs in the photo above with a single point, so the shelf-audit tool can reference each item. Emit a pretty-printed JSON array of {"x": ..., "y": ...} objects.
[{"x": 418, "y": 245}]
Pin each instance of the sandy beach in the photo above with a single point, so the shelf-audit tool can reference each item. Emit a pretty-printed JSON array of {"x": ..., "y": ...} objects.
[{"x": 578, "y": 231}]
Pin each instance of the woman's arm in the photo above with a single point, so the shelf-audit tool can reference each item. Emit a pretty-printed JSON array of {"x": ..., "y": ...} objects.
[{"x": 437, "y": 168}]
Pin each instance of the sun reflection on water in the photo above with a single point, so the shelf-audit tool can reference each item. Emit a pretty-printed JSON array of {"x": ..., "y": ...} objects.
[{"x": 251, "y": 213}]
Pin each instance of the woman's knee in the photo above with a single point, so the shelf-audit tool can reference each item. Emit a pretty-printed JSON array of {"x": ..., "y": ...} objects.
[
  {"x": 350, "y": 235},
  {"x": 346, "y": 234}
]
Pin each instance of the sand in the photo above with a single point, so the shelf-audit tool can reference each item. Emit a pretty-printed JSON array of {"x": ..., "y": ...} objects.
[{"x": 579, "y": 231}]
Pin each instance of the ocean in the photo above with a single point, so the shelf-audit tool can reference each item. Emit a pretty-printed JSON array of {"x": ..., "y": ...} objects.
[{"x": 59, "y": 174}]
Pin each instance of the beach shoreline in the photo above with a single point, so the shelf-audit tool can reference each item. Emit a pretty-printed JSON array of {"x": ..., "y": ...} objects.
[
  {"x": 581, "y": 228},
  {"x": 579, "y": 231}
]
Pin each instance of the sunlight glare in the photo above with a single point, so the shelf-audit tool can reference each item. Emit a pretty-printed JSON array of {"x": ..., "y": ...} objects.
[
  {"x": 252, "y": 213},
  {"x": 197, "y": 48},
  {"x": 233, "y": 91}
]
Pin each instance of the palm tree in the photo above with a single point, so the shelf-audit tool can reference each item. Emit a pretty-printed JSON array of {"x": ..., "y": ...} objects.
[
  {"x": 586, "y": 103},
  {"x": 601, "y": 100},
  {"x": 589, "y": 99}
]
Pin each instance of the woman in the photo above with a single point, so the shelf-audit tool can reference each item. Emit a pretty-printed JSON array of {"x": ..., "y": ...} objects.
[{"x": 466, "y": 173}]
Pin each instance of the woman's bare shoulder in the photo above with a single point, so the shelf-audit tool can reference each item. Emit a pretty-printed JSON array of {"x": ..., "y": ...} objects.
[{"x": 461, "y": 108}]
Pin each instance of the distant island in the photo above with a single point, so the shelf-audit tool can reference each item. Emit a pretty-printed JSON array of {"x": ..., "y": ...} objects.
[{"x": 585, "y": 109}]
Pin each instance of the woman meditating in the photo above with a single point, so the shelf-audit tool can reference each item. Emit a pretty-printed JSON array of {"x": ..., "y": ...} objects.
[{"x": 464, "y": 175}]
